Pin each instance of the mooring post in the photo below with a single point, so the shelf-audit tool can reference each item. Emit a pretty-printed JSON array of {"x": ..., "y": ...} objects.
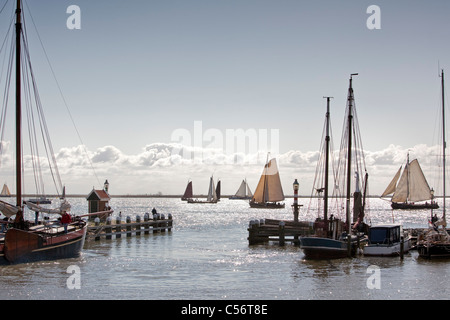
[
  {"x": 164, "y": 223},
  {"x": 402, "y": 247},
  {"x": 170, "y": 223},
  {"x": 146, "y": 223},
  {"x": 281, "y": 233},
  {"x": 138, "y": 225},
  {"x": 118, "y": 227},
  {"x": 155, "y": 223},
  {"x": 108, "y": 229},
  {"x": 97, "y": 224},
  {"x": 128, "y": 221}
]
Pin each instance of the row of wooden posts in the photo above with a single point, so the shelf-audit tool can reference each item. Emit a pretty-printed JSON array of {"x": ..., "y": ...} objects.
[{"x": 158, "y": 224}]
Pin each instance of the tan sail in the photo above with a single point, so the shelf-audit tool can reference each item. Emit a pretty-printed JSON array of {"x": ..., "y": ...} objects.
[
  {"x": 269, "y": 188},
  {"x": 5, "y": 191},
  {"x": 412, "y": 185},
  {"x": 392, "y": 186}
]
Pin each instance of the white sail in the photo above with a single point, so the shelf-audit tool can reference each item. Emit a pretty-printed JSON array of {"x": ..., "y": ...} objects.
[
  {"x": 241, "y": 190},
  {"x": 269, "y": 188},
  {"x": 212, "y": 195},
  {"x": 64, "y": 206},
  {"x": 249, "y": 192},
  {"x": 8, "y": 209},
  {"x": 412, "y": 185}
]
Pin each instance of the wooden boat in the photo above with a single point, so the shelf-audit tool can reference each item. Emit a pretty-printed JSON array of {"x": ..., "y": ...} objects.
[
  {"x": 411, "y": 190},
  {"x": 5, "y": 191},
  {"x": 23, "y": 241},
  {"x": 435, "y": 242},
  {"x": 386, "y": 241},
  {"x": 269, "y": 192},
  {"x": 243, "y": 193},
  {"x": 333, "y": 238},
  {"x": 212, "y": 195},
  {"x": 188, "y": 192}
]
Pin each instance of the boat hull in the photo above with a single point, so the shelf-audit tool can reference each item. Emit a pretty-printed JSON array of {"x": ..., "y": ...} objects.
[
  {"x": 431, "y": 205},
  {"x": 267, "y": 205},
  {"x": 380, "y": 250},
  {"x": 201, "y": 201},
  {"x": 22, "y": 246},
  {"x": 434, "y": 251},
  {"x": 324, "y": 248}
]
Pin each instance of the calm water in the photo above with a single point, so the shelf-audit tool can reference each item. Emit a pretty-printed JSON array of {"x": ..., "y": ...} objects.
[{"x": 207, "y": 256}]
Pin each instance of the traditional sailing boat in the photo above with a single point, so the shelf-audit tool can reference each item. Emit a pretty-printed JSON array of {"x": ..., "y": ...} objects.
[
  {"x": 269, "y": 191},
  {"x": 218, "y": 187},
  {"x": 24, "y": 241},
  {"x": 5, "y": 191},
  {"x": 412, "y": 188},
  {"x": 243, "y": 193},
  {"x": 435, "y": 242},
  {"x": 212, "y": 195},
  {"x": 188, "y": 192},
  {"x": 333, "y": 238}
]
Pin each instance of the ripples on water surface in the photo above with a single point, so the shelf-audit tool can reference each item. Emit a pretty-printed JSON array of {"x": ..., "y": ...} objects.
[{"x": 207, "y": 256}]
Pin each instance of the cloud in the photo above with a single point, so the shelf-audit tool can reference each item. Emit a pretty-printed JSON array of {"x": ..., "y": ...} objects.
[{"x": 166, "y": 167}]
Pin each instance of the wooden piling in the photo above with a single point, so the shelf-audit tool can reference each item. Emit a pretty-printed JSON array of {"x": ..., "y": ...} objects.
[
  {"x": 130, "y": 228},
  {"x": 281, "y": 233},
  {"x": 138, "y": 225},
  {"x": 118, "y": 227},
  {"x": 108, "y": 229}
]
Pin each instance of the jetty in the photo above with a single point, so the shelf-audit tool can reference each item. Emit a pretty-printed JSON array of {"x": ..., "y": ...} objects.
[
  {"x": 281, "y": 231},
  {"x": 110, "y": 229}
]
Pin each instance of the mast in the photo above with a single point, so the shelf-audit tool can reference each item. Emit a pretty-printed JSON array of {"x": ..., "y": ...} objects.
[
  {"x": 327, "y": 157},
  {"x": 18, "y": 109},
  {"x": 349, "y": 149},
  {"x": 443, "y": 142}
]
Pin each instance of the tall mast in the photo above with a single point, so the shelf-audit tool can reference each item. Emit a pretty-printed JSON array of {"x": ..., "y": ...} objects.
[
  {"x": 327, "y": 157},
  {"x": 443, "y": 141},
  {"x": 349, "y": 150},
  {"x": 18, "y": 109}
]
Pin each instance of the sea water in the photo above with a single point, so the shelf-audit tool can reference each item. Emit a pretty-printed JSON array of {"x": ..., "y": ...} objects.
[{"x": 206, "y": 256}]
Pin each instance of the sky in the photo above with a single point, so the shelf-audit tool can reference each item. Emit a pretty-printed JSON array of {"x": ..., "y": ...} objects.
[{"x": 143, "y": 81}]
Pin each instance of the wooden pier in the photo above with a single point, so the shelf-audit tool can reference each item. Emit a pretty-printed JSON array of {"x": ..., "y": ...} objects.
[
  {"x": 110, "y": 230},
  {"x": 281, "y": 231}
]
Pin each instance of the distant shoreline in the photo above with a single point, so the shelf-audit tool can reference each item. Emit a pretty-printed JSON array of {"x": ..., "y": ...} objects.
[{"x": 161, "y": 196}]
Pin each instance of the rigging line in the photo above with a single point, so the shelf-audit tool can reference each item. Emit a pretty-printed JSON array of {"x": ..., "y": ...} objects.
[
  {"x": 43, "y": 126},
  {"x": 63, "y": 98},
  {"x": 1, "y": 10}
]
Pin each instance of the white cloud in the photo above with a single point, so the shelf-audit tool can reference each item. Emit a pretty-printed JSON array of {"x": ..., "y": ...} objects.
[{"x": 166, "y": 167}]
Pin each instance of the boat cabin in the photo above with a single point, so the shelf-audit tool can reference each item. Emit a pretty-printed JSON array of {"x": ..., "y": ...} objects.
[{"x": 385, "y": 234}]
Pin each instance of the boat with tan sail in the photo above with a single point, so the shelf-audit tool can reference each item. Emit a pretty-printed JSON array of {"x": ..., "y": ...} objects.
[
  {"x": 412, "y": 190},
  {"x": 269, "y": 192}
]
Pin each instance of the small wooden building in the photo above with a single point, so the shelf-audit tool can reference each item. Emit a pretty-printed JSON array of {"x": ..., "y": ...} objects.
[{"x": 98, "y": 200}]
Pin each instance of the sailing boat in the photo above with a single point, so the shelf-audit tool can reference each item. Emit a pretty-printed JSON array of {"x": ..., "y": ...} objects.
[
  {"x": 333, "y": 238},
  {"x": 5, "y": 191},
  {"x": 23, "y": 241},
  {"x": 269, "y": 191},
  {"x": 218, "y": 190},
  {"x": 212, "y": 195},
  {"x": 243, "y": 192},
  {"x": 188, "y": 192},
  {"x": 435, "y": 242},
  {"x": 412, "y": 188}
]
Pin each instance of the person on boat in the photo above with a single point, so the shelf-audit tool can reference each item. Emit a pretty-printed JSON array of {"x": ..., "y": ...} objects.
[
  {"x": 65, "y": 220},
  {"x": 154, "y": 211}
]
